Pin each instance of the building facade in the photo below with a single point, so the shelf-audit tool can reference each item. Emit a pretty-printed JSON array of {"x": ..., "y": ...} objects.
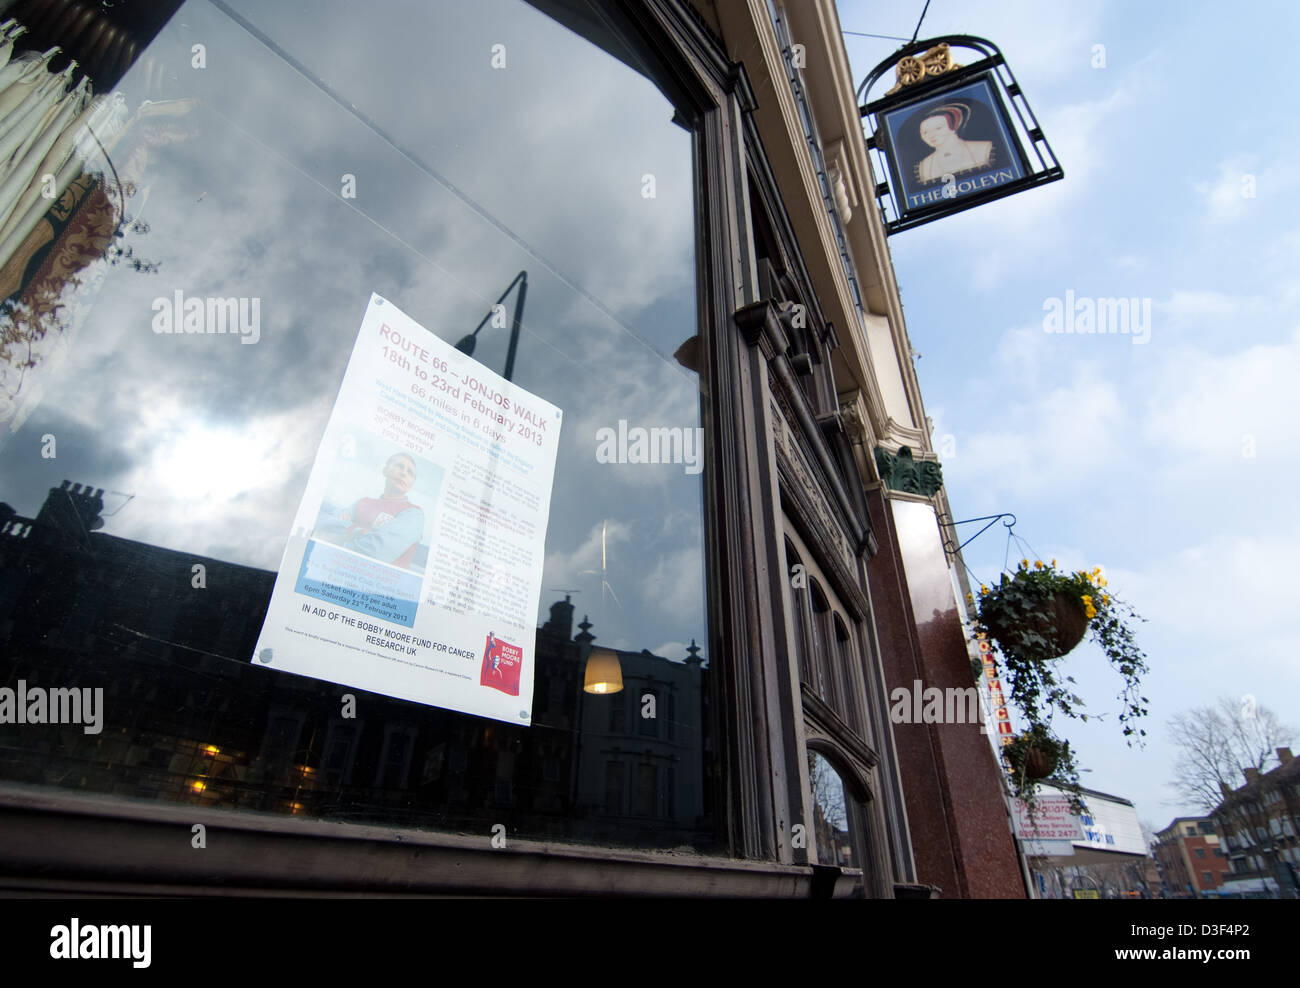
[
  {"x": 1191, "y": 858},
  {"x": 1260, "y": 824},
  {"x": 685, "y": 190}
]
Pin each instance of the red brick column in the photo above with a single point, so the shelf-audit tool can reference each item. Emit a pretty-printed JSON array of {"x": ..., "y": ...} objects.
[{"x": 959, "y": 827}]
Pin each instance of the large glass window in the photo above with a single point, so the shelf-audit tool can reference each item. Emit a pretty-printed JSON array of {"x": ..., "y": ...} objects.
[{"x": 294, "y": 159}]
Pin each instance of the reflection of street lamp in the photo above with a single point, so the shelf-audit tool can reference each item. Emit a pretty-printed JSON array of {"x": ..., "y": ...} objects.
[{"x": 466, "y": 345}]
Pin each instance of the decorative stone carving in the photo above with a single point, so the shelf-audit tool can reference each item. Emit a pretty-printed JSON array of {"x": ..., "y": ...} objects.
[
  {"x": 840, "y": 192},
  {"x": 902, "y": 472},
  {"x": 794, "y": 464},
  {"x": 855, "y": 426}
]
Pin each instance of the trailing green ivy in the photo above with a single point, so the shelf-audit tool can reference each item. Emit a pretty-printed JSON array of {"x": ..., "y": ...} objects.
[
  {"x": 1034, "y": 617},
  {"x": 1064, "y": 774},
  {"x": 1024, "y": 617}
]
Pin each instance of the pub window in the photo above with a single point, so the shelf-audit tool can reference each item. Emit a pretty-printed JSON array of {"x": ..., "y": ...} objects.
[
  {"x": 846, "y": 664},
  {"x": 824, "y": 683},
  {"x": 305, "y": 169}
]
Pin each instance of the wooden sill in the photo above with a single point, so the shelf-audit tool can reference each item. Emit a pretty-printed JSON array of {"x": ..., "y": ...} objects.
[{"x": 55, "y": 842}]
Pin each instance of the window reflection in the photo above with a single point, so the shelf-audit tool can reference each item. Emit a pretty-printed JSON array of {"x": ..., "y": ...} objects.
[
  {"x": 832, "y": 812},
  {"x": 252, "y": 179}
]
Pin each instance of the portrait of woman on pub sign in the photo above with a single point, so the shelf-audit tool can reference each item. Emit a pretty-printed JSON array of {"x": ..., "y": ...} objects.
[{"x": 960, "y": 134}]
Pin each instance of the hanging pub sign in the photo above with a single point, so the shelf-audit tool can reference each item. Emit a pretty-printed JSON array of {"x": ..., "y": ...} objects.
[{"x": 943, "y": 135}]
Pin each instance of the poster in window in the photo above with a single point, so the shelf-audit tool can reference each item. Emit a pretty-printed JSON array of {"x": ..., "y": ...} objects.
[
  {"x": 951, "y": 147},
  {"x": 415, "y": 565}
]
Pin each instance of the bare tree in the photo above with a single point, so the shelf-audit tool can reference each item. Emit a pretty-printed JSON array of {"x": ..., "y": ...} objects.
[
  {"x": 1216, "y": 743},
  {"x": 1148, "y": 834}
]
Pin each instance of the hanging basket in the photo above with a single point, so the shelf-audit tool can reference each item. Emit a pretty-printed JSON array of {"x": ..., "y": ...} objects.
[
  {"x": 1063, "y": 631},
  {"x": 1040, "y": 763}
]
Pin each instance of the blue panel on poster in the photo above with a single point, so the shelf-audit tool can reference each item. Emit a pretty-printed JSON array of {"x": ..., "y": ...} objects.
[{"x": 366, "y": 586}]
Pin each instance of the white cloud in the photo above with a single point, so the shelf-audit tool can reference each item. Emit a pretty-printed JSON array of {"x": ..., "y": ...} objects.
[
  {"x": 591, "y": 557},
  {"x": 1245, "y": 189},
  {"x": 1238, "y": 408},
  {"x": 1225, "y": 198},
  {"x": 1021, "y": 352},
  {"x": 1185, "y": 304},
  {"x": 1050, "y": 441}
]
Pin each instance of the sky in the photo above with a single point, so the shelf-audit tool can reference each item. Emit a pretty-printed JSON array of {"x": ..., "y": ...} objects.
[{"x": 1171, "y": 463}]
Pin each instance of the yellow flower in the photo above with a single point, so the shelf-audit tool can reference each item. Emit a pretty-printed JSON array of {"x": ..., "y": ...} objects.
[
  {"x": 1038, "y": 564},
  {"x": 1101, "y": 581},
  {"x": 1091, "y": 612},
  {"x": 1024, "y": 564},
  {"x": 1105, "y": 598},
  {"x": 1087, "y": 600},
  {"x": 970, "y": 598},
  {"x": 1096, "y": 571},
  {"x": 1053, "y": 563}
]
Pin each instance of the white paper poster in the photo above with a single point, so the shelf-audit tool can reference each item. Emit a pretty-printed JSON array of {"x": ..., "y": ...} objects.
[{"x": 415, "y": 564}]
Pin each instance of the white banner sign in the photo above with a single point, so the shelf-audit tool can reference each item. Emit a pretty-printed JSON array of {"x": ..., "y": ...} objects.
[
  {"x": 1052, "y": 820},
  {"x": 415, "y": 564}
]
